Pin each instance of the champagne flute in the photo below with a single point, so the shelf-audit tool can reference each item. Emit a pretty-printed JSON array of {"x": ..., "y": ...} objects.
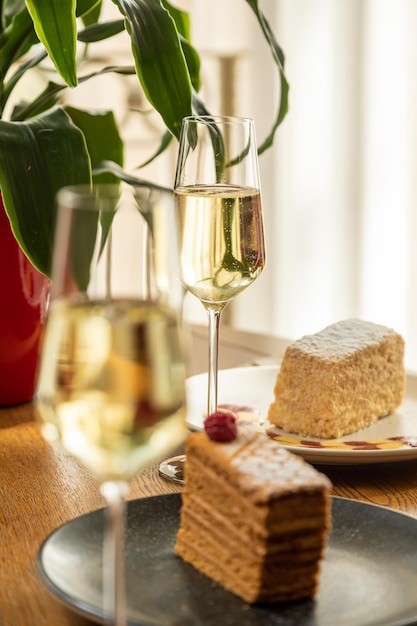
[
  {"x": 111, "y": 381},
  {"x": 218, "y": 199}
]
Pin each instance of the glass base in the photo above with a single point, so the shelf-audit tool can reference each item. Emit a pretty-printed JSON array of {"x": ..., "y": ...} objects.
[{"x": 173, "y": 468}]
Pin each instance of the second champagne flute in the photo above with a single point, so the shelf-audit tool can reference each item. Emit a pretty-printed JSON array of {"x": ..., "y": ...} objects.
[
  {"x": 112, "y": 372},
  {"x": 218, "y": 199}
]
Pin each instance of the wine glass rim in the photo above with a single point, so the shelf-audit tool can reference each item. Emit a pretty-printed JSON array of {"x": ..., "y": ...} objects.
[
  {"x": 71, "y": 194},
  {"x": 216, "y": 119}
]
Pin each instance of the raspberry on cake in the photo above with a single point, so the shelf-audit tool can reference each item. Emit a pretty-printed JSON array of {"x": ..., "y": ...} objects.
[
  {"x": 221, "y": 426},
  {"x": 254, "y": 517},
  {"x": 339, "y": 380}
]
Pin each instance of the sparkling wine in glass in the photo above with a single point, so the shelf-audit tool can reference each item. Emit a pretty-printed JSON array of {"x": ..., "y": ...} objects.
[
  {"x": 218, "y": 199},
  {"x": 111, "y": 381}
]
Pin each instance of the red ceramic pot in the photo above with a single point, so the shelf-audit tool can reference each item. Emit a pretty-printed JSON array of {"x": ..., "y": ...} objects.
[{"x": 23, "y": 299}]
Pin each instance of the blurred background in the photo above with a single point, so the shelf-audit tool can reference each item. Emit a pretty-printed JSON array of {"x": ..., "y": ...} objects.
[{"x": 339, "y": 186}]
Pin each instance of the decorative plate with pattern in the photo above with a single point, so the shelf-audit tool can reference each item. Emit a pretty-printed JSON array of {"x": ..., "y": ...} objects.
[{"x": 248, "y": 392}]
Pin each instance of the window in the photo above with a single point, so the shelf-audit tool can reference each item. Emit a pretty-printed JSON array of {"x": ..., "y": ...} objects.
[{"x": 339, "y": 186}]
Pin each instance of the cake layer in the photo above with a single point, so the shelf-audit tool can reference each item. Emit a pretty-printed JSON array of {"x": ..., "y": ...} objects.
[
  {"x": 224, "y": 501},
  {"x": 254, "y": 517},
  {"x": 287, "y": 583},
  {"x": 339, "y": 380},
  {"x": 301, "y": 547}
]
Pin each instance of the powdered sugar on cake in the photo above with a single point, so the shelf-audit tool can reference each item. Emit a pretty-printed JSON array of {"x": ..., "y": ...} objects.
[
  {"x": 271, "y": 469},
  {"x": 339, "y": 380},
  {"x": 343, "y": 338}
]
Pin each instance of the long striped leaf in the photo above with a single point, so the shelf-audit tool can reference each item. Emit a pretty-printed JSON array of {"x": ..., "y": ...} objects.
[
  {"x": 100, "y": 31},
  {"x": 86, "y": 6},
  {"x": 182, "y": 22},
  {"x": 159, "y": 59},
  {"x": 55, "y": 25},
  {"x": 279, "y": 58}
]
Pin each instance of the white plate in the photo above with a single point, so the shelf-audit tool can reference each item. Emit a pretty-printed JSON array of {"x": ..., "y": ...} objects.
[{"x": 248, "y": 391}]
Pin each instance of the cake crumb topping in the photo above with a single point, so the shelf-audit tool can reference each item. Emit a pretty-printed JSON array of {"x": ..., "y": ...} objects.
[{"x": 343, "y": 338}]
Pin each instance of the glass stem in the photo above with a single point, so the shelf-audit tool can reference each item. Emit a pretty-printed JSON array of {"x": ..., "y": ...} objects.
[
  {"x": 114, "y": 592},
  {"x": 214, "y": 327}
]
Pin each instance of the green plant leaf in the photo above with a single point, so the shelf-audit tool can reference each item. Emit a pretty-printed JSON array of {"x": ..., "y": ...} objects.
[
  {"x": 165, "y": 141},
  {"x": 182, "y": 22},
  {"x": 85, "y": 232},
  {"x": 92, "y": 16},
  {"x": 37, "y": 158},
  {"x": 103, "y": 30},
  {"x": 45, "y": 100},
  {"x": 199, "y": 108},
  {"x": 10, "y": 8},
  {"x": 159, "y": 58},
  {"x": 15, "y": 40},
  {"x": 193, "y": 63},
  {"x": 49, "y": 96},
  {"x": 55, "y": 26},
  {"x": 181, "y": 19},
  {"x": 102, "y": 137},
  {"x": 119, "y": 174},
  {"x": 279, "y": 58},
  {"x": 17, "y": 75},
  {"x": 85, "y": 6}
]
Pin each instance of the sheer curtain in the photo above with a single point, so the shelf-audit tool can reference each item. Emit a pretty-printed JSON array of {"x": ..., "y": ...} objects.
[{"x": 339, "y": 186}]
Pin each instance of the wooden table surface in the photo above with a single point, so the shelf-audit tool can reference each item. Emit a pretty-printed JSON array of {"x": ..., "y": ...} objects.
[{"x": 41, "y": 488}]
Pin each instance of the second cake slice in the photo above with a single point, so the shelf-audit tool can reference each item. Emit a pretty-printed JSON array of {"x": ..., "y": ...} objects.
[{"x": 339, "y": 380}]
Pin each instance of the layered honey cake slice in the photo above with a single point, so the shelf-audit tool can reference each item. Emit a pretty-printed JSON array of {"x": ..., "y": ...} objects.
[
  {"x": 254, "y": 517},
  {"x": 339, "y": 380}
]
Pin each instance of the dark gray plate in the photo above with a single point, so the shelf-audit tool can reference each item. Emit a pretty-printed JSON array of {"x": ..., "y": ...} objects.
[{"x": 369, "y": 575}]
